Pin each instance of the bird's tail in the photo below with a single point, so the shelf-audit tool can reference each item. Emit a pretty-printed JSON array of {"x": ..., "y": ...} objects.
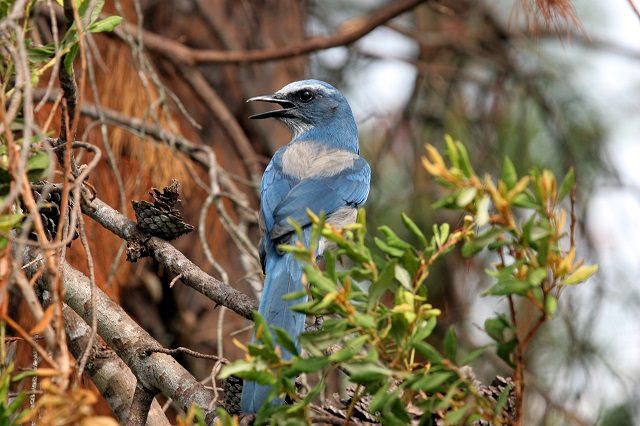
[{"x": 283, "y": 276}]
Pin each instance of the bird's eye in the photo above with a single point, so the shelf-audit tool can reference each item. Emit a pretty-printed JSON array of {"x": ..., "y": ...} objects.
[{"x": 305, "y": 96}]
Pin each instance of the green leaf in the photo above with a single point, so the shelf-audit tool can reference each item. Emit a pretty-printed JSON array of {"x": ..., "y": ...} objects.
[
  {"x": 382, "y": 284},
  {"x": 403, "y": 277},
  {"x": 448, "y": 202},
  {"x": 525, "y": 200},
  {"x": 317, "y": 228},
  {"x": 9, "y": 221},
  {"x": 105, "y": 25},
  {"x": 506, "y": 349},
  {"x": 495, "y": 327},
  {"x": 476, "y": 244},
  {"x": 307, "y": 365},
  {"x": 452, "y": 151},
  {"x": 265, "y": 332},
  {"x": 319, "y": 280},
  {"x": 393, "y": 251},
  {"x": 431, "y": 382},
  {"x": 70, "y": 57},
  {"x": 429, "y": 352},
  {"x": 502, "y": 400},
  {"x": 509, "y": 174},
  {"x": 97, "y": 9},
  {"x": 364, "y": 320},
  {"x": 535, "y": 276},
  {"x": 425, "y": 330},
  {"x": 381, "y": 399},
  {"x": 283, "y": 338},
  {"x": 465, "y": 164},
  {"x": 330, "y": 264},
  {"x": 567, "y": 184},
  {"x": 451, "y": 344},
  {"x": 536, "y": 233},
  {"x": 507, "y": 287},
  {"x": 37, "y": 165},
  {"x": 40, "y": 53},
  {"x": 473, "y": 355},
  {"x": 351, "y": 349},
  {"x": 455, "y": 417},
  {"x": 398, "y": 414},
  {"x": 236, "y": 368},
  {"x": 411, "y": 226},
  {"x": 443, "y": 232},
  {"x": 15, "y": 404},
  {"x": 550, "y": 305},
  {"x": 295, "y": 295},
  {"x": 366, "y": 372},
  {"x": 392, "y": 239},
  {"x": 296, "y": 228}
]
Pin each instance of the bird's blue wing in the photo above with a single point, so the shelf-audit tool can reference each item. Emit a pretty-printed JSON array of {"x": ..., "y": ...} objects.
[
  {"x": 349, "y": 187},
  {"x": 273, "y": 189}
]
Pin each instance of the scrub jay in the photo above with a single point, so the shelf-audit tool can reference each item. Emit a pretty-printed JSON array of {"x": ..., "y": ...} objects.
[{"x": 320, "y": 169}]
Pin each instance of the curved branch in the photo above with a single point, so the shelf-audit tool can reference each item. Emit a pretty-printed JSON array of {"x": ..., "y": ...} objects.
[{"x": 348, "y": 33}]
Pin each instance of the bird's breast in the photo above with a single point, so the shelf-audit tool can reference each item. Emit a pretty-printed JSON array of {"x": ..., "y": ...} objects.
[{"x": 303, "y": 160}]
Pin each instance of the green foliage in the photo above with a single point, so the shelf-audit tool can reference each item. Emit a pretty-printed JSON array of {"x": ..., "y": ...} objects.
[
  {"x": 36, "y": 168},
  {"x": 377, "y": 317},
  {"x": 10, "y": 412}
]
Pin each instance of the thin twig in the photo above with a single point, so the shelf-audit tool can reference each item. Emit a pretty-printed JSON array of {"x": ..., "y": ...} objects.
[
  {"x": 25, "y": 336},
  {"x": 93, "y": 305},
  {"x": 635, "y": 9},
  {"x": 186, "y": 351},
  {"x": 229, "y": 124},
  {"x": 175, "y": 279}
]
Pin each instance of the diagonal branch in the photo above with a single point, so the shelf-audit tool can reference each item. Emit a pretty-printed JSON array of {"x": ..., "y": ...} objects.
[
  {"x": 156, "y": 371},
  {"x": 348, "y": 33},
  {"x": 172, "y": 259},
  {"x": 108, "y": 372}
]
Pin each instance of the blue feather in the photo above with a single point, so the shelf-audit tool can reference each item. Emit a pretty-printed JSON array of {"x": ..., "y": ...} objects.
[{"x": 321, "y": 170}]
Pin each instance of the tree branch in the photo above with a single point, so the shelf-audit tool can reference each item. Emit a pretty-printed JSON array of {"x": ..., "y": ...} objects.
[
  {"x": 172, "y": 259},
  {"x": 348, "y": 32},
  {"x": 140, "y": 405},
  {"x": 157, "y": 371},
  {"x": 107, "y": 371}
]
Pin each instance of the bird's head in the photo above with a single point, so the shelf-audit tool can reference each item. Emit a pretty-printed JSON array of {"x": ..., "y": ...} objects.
[{"x": 308, "y": 105}]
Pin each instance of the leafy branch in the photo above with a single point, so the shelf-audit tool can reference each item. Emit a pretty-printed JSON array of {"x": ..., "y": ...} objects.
[{"x": 378, "y": 324}]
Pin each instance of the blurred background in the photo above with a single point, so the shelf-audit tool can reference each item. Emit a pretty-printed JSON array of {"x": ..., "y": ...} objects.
[{"x": 539, "y": 81}]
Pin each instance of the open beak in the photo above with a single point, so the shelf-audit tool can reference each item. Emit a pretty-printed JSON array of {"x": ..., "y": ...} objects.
[{"x": 285, "y": 112}]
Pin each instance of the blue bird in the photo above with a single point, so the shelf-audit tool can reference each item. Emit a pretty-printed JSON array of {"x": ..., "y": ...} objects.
[{"x": 320, "y": 169}]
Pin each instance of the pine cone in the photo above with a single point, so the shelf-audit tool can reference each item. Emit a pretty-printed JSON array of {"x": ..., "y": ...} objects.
[
  {"x": 232, "y": 387},
  {"x": 493, "y": 392},
  {"x": 161, "y": 218},
  {"x": 50, "y": 212}
]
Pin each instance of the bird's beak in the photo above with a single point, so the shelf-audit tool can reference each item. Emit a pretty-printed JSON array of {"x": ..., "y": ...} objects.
[{"x": 278, "y": 113}]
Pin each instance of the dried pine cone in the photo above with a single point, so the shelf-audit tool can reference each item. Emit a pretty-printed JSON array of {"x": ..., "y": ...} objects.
[
  {"x": 232, "y": 387},
  {"x": 49, "y": 203},
  {"x": 161, "y": 218}
]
